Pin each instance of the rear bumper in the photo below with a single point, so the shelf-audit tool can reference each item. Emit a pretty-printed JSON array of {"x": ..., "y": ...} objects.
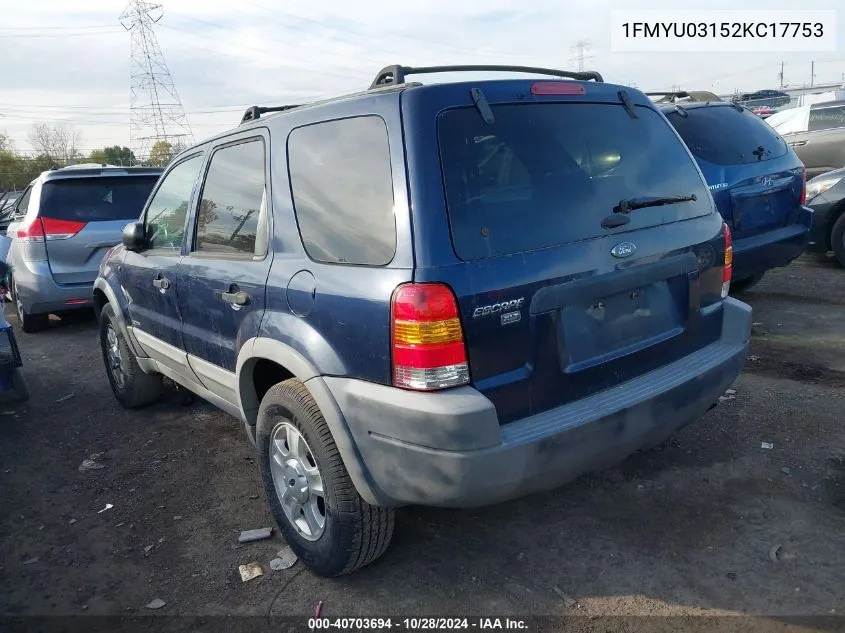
[
  {"x": 772, "y": 249},
  {"x": 448, "y": 449},
  {"x": 40, "y": 294}
]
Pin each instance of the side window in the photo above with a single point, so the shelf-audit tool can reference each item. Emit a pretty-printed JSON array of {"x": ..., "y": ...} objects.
[
  {"x": 23, "y": 203},
  {"x": 164, "y": 221},
  {"x": 343, "y": 191},
  {"x": 826, "y": 118},
  {"x": 232, "y": 207}
]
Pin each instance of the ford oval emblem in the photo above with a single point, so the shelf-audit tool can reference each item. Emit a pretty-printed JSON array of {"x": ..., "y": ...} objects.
[{"x": 623, "y": 249}]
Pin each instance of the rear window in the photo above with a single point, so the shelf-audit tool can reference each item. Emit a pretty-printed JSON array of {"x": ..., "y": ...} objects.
[
  {"x": 723, "y": 135},
  {"x": 826, "y": 118},
  {"x": 96, "y": 199},
  {"x": 543, "y": 175}
]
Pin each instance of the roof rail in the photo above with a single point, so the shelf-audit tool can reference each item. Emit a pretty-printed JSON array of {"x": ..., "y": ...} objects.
[
  {"x": 395, "y": 74},
  {"x": 255, "y": 112}
]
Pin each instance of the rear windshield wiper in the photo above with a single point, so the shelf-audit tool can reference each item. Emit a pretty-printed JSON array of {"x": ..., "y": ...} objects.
[
  {"x": 619, "y": 217},
  {"x": 632, "y": 204}
]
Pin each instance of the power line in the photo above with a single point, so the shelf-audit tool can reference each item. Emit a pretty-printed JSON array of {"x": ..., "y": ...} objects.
[
  {"x": 580, "y": 49},
  {"x": 156, "y": 112}
]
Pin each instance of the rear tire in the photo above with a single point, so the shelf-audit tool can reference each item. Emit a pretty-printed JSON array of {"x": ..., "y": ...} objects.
[
  {"x": 742, "y": 285},
  {"x": 29, "y": 322},
  {"x": 837, "y": 240},
  {"x": 296, "y": 445},
  {"x": 130, "y": 385}
]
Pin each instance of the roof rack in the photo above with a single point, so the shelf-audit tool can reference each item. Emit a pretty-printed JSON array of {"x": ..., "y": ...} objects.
[
  {"x": 395, "y": 74},
  {"x": 671, "y": 96},
  {"x": 255, "y": 112}
]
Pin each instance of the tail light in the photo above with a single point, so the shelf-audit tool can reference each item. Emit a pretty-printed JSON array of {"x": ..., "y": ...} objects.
[
  {"x": 49, "y": 229},
  {"x": 803, "y": 185},
  {"x": 427, "y": 339},
  {"x": 729, "y": 258}
]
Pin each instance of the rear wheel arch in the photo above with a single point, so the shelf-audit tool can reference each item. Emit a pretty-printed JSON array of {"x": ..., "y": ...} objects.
[{"x": 261, "y": 360}]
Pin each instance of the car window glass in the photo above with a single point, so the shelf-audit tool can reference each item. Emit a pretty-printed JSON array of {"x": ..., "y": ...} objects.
[
  {"x": 232, "y": 201},
  {"x": 743, "y": 136},
  {"x": 96, "y": 199},
  {"x": 164, "y": 221},
  {"x": 343, "y": 191},
  {"x": 23, "y": 203},
  {"x": 543, "y": 175},
  {"x": 826, "y": 118}
]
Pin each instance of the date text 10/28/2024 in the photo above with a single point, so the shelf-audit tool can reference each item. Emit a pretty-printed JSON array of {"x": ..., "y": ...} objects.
[{"x": 417, "y": 624}]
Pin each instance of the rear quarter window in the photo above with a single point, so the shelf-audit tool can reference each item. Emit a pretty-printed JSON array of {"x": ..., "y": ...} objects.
[
  {"x": 723, "y": 135},
  {"x": 96, "y": 199},
  {"x": 826, "y": 118},
  {"x": 543, "y": 175},
  {"x": 342, "y": 187}
]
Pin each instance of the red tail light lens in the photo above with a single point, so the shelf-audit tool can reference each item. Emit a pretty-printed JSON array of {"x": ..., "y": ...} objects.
[
  {"x": 61, "y": 229},
  {"x": 49, "y": 229},
  {"x": 427, "y": 339},
  {"x": 729, "y": 258},
  {"x": 32, "y": 232},
  {"x": 803, "y": 185},
  {"x": 41, "y": 229}
]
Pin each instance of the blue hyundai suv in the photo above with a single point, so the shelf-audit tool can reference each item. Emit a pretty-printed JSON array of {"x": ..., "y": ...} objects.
[
  {"x": 757, "y": 181},
  {"x": 449, "y": 295}
]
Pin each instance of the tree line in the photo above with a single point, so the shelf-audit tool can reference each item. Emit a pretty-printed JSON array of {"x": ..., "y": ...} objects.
[{"x": 58, "y": 146}]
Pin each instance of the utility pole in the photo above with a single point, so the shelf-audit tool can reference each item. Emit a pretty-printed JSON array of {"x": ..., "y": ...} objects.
[
  {"x": 812, "y": 73},
  {"x": 579, "y": 50},
  {"x": 156, "y": 112},
  {"x": 780, "y": 75}
]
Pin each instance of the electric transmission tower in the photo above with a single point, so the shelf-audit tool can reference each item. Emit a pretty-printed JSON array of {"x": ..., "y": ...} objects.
[
  {"x": 579, "y": 50},
  {"x": 156, "y": 112}
]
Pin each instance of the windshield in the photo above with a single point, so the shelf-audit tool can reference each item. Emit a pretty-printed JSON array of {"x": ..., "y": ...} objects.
[
  {"x": 544, "y": 175},
  {"x": 93, "y": 199},
  {"x": 723, "y": 135}
]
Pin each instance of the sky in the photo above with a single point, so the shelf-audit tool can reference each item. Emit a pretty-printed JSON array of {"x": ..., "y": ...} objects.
[{"x": 68, "y": 63}]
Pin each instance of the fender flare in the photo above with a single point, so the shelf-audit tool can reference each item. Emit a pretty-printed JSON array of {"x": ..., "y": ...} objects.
[
  {"x": 259, "y": 348},
  {"x": 111, "y": 297}
]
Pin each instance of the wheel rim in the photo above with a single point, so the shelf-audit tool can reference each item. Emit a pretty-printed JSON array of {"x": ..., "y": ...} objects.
[
  {"x": 298, "y": 483},
  {"x": 115, "y": 360}
]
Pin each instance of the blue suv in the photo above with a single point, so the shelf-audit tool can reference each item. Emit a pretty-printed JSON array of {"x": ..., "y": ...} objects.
[
  {"x": 449, "y": 295},
  {"x": 757, "y": 181}
]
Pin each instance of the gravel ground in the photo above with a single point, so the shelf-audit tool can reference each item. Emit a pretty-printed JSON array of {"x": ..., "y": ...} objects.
[{"x": 690, "y": 528}]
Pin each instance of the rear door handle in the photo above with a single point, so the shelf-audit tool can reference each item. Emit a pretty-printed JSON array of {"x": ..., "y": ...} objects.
[
  {"x": 235, "y": 297},
  {"x": 162, "y": 283}
]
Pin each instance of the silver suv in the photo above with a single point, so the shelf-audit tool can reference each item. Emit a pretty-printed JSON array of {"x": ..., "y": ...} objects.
[{"x": 64, "y": 223}]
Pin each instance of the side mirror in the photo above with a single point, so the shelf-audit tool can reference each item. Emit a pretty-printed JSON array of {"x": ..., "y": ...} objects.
[{"x": 133, "y": 236}]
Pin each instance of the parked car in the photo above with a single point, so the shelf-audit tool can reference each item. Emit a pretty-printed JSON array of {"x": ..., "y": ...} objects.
[
  {"x": 8, "y": 198},
  {"x": 7, "y": 208},
  {"x": 13, "y": 385},
  {"x": 763, "y": 98},
  {"x": 64, "y": 223},
  {"x": 446, "y": 295},
  {"x": 817, "y": 134},
  {"x": 763, "y": 113},
  {"x": 756, "y": 180},
  {"x": 681, "y": 96},
  {"x": 826, "y": 196}
]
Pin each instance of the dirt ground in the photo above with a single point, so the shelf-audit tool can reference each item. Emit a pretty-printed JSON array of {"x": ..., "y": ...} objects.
[{"x": 689, "y": 528}]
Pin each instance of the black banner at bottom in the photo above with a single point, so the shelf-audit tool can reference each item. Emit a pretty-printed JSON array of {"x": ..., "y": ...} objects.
[{"x": 531, "y": 624}]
